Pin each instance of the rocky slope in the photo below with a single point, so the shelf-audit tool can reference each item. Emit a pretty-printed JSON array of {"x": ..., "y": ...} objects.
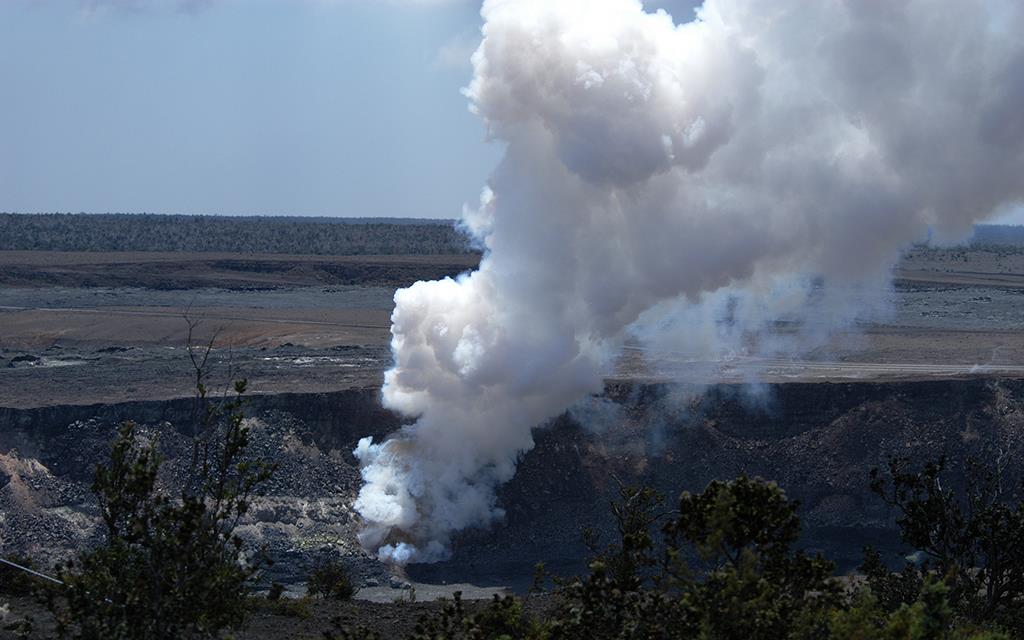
[
  {"x": 817, "y": 440},
  {"x": 304, "y": 515}
]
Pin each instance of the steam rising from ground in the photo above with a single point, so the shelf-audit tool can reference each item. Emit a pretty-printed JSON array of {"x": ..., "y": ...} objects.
[{"x": 661, "y": 173}]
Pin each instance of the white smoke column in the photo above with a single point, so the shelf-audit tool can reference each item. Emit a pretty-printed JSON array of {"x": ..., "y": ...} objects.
[{"x": 648, "y": 162}]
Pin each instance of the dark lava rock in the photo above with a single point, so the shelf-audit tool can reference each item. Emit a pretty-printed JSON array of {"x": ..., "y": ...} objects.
[
  {"x": 818, "y": 441},
  {"x": 23, "y": 361}
]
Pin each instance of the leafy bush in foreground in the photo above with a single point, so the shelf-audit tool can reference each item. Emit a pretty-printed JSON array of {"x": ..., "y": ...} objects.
[
  {"x": 330, "y": 580},
  {"x": 972, "y": 537},
  {"x": 15, "y": 582},
  {"x": 171, "y": 567},
  {"x": 725, "y": 568}
]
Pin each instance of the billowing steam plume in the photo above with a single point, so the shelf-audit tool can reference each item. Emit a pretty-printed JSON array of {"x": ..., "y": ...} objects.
[{"x": 650, "y": 165}]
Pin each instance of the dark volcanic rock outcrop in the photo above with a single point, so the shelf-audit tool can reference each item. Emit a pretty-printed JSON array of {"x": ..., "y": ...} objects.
[
  {"x": 47, "y": 458},
  {"x": 818, "y": 441}
]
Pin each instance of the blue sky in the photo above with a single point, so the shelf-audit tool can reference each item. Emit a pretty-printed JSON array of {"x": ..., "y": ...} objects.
[
  {"x": 307, "y": 107},
  {"x": 261, "y": 106},
  {"x": 302, "y": 107},
  {"x": 241, "y": 107}
]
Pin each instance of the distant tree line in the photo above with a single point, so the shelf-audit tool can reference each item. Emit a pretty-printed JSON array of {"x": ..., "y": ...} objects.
[
  {"x": 281, "y": 234},
  {"x": 234, "y": 234}
]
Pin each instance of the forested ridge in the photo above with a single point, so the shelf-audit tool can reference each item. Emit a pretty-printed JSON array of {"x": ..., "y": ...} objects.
[
  {"x": 278, "y": 234},
  {"x": 233, "y": 234}
]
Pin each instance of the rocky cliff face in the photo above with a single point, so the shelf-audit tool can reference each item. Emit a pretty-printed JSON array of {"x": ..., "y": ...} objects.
[
  {"x": 47, "y": 457},
  {"x": 817, "y": 440}
]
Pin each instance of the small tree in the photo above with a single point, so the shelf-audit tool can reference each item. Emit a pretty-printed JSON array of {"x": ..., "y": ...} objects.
[
  {"x": 628, "y": 561},
  {"x": 753, "y": 583},
  {"x": 621, "y": 598},
  {"x": 502, "y": 618},
  {"x": 170, "y": 567},
  {"x": 14, "y": 581},
  {"x": 726, "y": 569},
  {"x": 971, "y": 534},
  {"x": 330, "y": 580}
]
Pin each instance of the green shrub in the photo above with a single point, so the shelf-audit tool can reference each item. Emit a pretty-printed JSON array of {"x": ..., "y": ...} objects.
[
  {"x": 17, "y": 583},
  {"x": 171, "y": 567},
  {"x": 747, "y": 582},
  {"x": 285, "y": 607},
  {"x": 502, "y": 618},
  {"x": 330, "y": 580},
  {"x": 725, "y": 569},
  {"x": 968, "y": 531}
]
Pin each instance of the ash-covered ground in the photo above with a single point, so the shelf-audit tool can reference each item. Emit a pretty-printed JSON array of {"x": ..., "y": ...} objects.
[
  {"x": 79, "y": 328},
  {"x": 87, "y": 328},
  {"x": 89, "y": 340}
]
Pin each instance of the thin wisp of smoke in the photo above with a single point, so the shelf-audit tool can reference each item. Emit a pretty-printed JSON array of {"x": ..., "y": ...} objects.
[{"x": 652, "y": 168}]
